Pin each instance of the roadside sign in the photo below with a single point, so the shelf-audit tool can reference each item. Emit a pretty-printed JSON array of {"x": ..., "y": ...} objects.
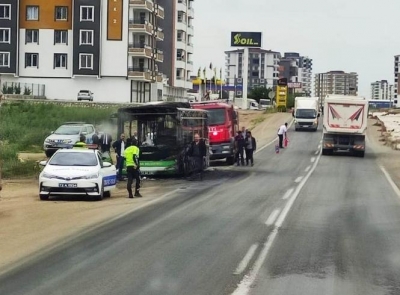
[
  {"x": 281, "y": 97},
  {"x": 246, "y": 39},
  {"x": 271, "y": 94},
  {"x": 294, "y": 84}
]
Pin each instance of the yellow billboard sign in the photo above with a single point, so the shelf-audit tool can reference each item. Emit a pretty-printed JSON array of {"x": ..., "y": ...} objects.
[{"x": 281, "y": 95}]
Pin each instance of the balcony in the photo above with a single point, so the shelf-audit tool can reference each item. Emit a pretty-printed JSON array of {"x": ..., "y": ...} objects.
[
  {"x": 139, "y": 74},
  {"x": 160, "y": 12},
  {"x": 181, "y": 44},
  {"x": 159, "y": 54},
  {"x": 190, "y": 12},
  {"x": 181, "y": 6},
  {"x": 142, "y": 4},
  {"x": 159, "y": 78},
  {"x": 180, "y": 63},
  {"x": 159, "y": 35},
  {"x": 189, "y": 48},
  {"x": 190, "y": 30},
  {"x": 138, "y": 26},
  {"x": 139, "y": 50}
]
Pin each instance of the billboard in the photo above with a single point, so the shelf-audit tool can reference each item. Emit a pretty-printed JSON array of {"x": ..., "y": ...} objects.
[
  {"x": 246, "y": 39},
  {"x": 294, "y": 84}
]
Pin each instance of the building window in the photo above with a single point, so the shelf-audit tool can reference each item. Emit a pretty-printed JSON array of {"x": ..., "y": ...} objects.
[
  {"x": 86, "y": 61},
  {"x": 60, "y": 37},
  {"x": 31, "y": 60},
  {"x": 5, "y": 35},
  {"x": 86, "y": 37},
  {"x": 60, "y": 61},
  {"x": 61, "y": 13},
  {"x": 32, "y": 13},
  {"x": 5, "y": 11},
  {"x": 31, "y": 36},
  {"x": 87, "y": 13},
  {"x": 4, "y": 59}
]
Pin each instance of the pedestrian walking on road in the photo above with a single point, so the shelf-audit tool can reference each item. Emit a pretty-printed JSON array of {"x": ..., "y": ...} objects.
[
  {"x": 244, "y": 134},
  {"x": 196, "y": 153},
  {"x": 282, "y": 132},
  {"x": 250, "y": 147},
  {"x": 132, "y": 167},
  {"x": 239, "y": 147},
  {"x": 119, "y": 148}
]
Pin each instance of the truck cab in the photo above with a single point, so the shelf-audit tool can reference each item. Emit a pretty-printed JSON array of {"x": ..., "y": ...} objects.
[
  {"x": 306, "y": 113},
  {"x": 223, "y": 122}
]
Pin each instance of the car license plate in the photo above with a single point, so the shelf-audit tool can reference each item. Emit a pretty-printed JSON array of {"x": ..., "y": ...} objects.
[{"x": 68, "y": 185}]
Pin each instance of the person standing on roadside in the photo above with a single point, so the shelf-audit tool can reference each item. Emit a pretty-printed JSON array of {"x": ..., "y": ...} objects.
[
  {"x": 282, "y": 131},
  {"x": 96, "y": 139},
  {"x": 119, "y": 148},
  {"x": 197, "y": 152},
  {"x": 239, "y": 147},
  {"x": 132, "y": 167},
  {"x": 250, "y": 147}
]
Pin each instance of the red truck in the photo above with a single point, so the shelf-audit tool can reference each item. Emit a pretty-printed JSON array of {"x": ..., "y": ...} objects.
[{"x": 223, "y": 122}]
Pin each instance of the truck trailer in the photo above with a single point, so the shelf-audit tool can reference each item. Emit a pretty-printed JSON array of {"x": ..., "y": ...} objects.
[
  {"x": 306, "y": 113},
  {"x": 345, "y": 124}
]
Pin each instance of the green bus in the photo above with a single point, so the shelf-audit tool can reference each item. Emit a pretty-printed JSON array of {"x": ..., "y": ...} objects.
[{"x": 164, "y": 131}]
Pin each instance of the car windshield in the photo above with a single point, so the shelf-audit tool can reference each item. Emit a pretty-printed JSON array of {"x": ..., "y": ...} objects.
[
  {"x": 68, "y": 130},
  {"x": 306, "y": 114},
  {"x": 84, "y": 91},
  {"x": 265, "y": 102},
  {"x": 74, "y": 159},
  {"x": 216, "y": 116}
]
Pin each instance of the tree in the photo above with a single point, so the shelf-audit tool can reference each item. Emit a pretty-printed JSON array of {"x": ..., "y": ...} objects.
[{"x": 258, "y": 93}]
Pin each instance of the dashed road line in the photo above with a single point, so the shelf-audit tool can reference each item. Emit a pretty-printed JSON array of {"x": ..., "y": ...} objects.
[
  {"x": 246, "y": 259},
  {"x": 312, "y": 159},
  {"x": 288, "y": 194},
  {"x": 308, "y": 168},
  {"x": 272, "y": 217},
  {"x": 298, "y": 179}
]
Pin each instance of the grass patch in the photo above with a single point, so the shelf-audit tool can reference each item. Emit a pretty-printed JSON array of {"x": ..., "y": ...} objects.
[
  {"x": 270, "y": 111},
  {"x": 257, "y": 121},
  {"x": 24, "y": 126}
]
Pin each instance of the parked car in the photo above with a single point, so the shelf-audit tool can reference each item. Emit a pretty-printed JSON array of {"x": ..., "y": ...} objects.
[
  {"x": 79, "y": 172},
  {"x": 85, "y": 95},
  {"x": 66, "y": 135}
]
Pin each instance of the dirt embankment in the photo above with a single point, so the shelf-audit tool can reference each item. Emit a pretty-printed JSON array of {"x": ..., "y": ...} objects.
[{"x": 28, "y": 224}]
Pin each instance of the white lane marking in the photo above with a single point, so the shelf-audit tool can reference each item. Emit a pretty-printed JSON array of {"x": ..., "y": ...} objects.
[
  {"x": 391, "y": 182},
  {"x": 312, "y": 159},
  {"x": 246, "y": 259},
  {"x": 272, "y": 141},
  {"x": 319, "y": 146},
  {"x": 317, "y": 152},
  {"x": 308, "y": 168},
  {"x": 287, "y": 194},
  {"x": 298, "y": 179},
  {"x": 245, "y": 285},
  {"x": 272, "y": 217}
]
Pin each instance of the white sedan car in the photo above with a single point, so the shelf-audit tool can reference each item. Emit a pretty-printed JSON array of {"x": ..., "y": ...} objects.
[{"x": 79, "y": 172}]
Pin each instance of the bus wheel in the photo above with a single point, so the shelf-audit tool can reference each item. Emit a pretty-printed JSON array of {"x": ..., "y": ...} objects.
[{"x": 230, "y": 160}]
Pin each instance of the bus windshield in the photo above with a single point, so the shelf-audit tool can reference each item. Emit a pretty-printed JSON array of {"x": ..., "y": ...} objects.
[{"x": 216, "y": 116}]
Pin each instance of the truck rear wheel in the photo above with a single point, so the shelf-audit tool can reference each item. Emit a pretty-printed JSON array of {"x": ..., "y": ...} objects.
[{"x": 327, "y": 152}]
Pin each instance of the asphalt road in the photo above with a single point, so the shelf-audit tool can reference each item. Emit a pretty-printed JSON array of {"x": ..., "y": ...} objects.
[{"x": 279, "y": 227}]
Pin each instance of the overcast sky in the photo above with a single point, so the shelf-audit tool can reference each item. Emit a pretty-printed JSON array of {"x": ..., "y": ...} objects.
[{"x": 350, "y": 35}]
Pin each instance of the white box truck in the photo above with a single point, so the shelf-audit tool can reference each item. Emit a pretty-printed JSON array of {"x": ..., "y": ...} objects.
[
  {"x": 306, "y": 113},
  {"x": 345, "y": 124}
]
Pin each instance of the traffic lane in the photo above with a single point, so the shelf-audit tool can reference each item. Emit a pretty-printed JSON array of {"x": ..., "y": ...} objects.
[
  {"x": 341, "y": 236},
  {"x": 191, "y": 243}
]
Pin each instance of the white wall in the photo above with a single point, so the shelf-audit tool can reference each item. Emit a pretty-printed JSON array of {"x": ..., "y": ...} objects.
[
  {"x": 105, "y": 89},
  {"x": 114, "y": 53},
  {"x": 46, "y": 50}
]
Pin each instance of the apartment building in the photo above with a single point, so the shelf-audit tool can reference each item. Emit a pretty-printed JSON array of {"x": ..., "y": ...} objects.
[
  {"x": 112, "y": 47},
  {"x": 336, "y": 82},
  {"x": 263, "y": 68},
  {"x": 178, "y": 43},
  {"x": 396, "y": 85},
  {"x": 297, "y": 69},
  {"x": 382, "y": 90}
]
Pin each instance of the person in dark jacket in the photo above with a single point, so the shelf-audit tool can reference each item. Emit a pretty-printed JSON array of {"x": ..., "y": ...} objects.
[
  {"x": 250, "y": 147},
  {"x": 119, "y": 147},
  {"x": 96, "y": 139},
  {"x": 197, "y": 152},
  {"x": 105, "y": 142},
  {"x": 239, "y": 148}
]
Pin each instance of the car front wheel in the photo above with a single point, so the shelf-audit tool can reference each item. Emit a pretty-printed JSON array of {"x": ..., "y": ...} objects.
[{"x": 44, "y": 197}]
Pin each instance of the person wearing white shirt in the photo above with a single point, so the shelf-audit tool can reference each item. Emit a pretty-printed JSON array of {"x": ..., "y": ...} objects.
[
  {"x": 282, "y": 132},
  {"x": 119, "y": 148}
]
